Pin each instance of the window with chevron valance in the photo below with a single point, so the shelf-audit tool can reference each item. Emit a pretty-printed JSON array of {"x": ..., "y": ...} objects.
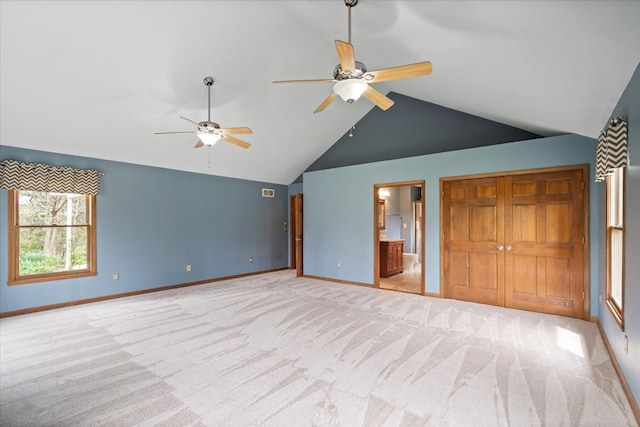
[
  {"x": 16, "y": 175},
  {"x": 611, "y": 152}
]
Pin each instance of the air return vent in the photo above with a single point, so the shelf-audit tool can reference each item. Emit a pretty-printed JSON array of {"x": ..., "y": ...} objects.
[{"x": 268, "y": 192}]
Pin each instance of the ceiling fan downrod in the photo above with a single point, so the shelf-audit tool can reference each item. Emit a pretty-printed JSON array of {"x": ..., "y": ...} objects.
[
  {"x": 208, "y": 81},
  {"x": 350, "y": 4}
]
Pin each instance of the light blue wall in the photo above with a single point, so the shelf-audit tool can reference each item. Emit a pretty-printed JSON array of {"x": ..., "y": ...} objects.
[
  {"x": 628, "y": 107},
  {"x": 152, "y": 222},
  {"x": 338, "y": 203}
]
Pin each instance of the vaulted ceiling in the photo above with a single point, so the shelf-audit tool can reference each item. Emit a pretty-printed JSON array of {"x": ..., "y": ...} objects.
[{"x": 98, "y": 78}]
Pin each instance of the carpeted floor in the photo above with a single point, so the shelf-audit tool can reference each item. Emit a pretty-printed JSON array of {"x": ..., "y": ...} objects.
[{"x": 273, "y": 350}]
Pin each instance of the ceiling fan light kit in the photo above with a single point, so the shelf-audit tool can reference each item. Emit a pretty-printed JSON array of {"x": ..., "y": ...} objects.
[
  {"x": 208, "y": 138},
  {"x": 350, "y": 90}
]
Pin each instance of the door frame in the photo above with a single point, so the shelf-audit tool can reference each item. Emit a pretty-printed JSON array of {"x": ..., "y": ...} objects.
[
  {"x": 585, "y": 221},
  {"x": 376, "y": 230},
  {"x": 296, "y": 232}
]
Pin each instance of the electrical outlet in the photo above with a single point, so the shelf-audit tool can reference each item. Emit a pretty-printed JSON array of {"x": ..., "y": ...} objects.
[
  {"x": 338, "y": 265},
  {"x": 188, "y": 267},
  {"x": 600, "y": 299},
  {"x": 116, "y": 276},
  {"x": 250, "y": 259}
]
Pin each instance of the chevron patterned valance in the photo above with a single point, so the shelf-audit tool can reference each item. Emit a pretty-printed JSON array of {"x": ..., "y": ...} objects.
[
  {"x": 15, "y": 175},
  {"x": 611, "y": 152}
]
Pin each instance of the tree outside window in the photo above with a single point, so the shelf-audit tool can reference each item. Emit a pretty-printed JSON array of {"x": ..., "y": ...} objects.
[{"x": 51, "y": 236}]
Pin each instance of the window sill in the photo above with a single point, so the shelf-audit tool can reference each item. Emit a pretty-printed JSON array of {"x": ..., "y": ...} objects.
[{"x": 49, "y": 277}]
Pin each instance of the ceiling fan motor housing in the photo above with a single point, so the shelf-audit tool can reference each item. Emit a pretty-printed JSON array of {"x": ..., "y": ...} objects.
[
  {"x": 359, "y": 72},
  {"x": 209, "y": 127}
]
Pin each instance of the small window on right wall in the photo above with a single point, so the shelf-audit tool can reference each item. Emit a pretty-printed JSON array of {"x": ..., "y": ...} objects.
[{"x": 615, "y": 245}]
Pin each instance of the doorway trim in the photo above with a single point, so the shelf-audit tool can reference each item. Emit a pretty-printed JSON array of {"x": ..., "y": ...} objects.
[{"x": 376, "y": 229}]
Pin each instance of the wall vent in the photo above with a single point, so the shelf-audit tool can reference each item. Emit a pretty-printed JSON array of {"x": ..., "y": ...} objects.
[{"x": 268, "y": 192}]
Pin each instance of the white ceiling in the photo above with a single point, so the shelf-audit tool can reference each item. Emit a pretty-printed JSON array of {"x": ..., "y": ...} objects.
[{"x": 98, "y": 78}]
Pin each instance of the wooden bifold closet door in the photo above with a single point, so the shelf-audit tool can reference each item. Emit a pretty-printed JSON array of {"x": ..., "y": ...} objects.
[{"x": 516, "y": 240}]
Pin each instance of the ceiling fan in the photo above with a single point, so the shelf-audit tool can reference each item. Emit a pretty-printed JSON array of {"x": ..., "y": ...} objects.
[
  {"x": 352, "y": 79},
  {"x": 209, "y": 132}
]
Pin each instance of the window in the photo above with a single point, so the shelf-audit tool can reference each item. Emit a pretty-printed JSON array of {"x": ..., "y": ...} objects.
[
  {"x": 615, "y": 245},
  {"x": 51, "y": 236}
]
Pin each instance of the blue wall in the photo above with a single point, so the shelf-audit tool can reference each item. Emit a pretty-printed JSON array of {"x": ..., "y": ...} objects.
[
  {"x": 338, "y": 203},
  {"x": 152, "y": 222},
  {"x": 628, "y": 107}
]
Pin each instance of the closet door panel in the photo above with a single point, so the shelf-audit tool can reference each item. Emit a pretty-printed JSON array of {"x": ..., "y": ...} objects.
[
  {"x": 544, "y": 237},
  {"x": 473, "y": 226}
]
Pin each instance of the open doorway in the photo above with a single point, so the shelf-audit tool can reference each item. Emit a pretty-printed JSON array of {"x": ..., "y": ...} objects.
[{"x": 399, "y": 236}]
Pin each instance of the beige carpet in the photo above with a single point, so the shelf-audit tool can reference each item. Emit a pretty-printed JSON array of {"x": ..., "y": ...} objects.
[{"x": 273, "y": 350}]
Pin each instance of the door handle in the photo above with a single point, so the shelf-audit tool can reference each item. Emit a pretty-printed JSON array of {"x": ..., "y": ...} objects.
[
  {"x": 500, "y": 248},
  {"x": 509, "y": 248},
  {"x": 298, "y": 239}
]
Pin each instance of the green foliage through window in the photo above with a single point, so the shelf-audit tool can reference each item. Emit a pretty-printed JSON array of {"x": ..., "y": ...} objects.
[{"x": 52, "y": 231}]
